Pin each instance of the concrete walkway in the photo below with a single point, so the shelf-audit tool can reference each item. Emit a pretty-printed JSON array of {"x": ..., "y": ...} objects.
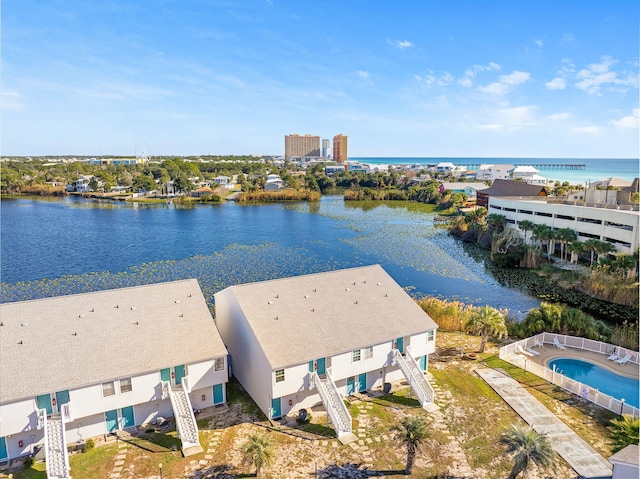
[{"x": 578, "y": 454}]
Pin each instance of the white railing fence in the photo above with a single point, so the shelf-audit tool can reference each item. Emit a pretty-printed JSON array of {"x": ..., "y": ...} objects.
[{"x": 511, "y": 354}]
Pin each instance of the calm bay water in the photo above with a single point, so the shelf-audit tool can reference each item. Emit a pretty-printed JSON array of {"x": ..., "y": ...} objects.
[{"x": 71, "y": 245}]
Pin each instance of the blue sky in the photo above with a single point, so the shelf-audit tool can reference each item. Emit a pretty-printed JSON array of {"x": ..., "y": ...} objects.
[{"x": 492, "y": 78}]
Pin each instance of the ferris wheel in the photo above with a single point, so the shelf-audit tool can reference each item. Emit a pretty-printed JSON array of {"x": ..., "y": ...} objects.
[{"x": 143, "y": 152}]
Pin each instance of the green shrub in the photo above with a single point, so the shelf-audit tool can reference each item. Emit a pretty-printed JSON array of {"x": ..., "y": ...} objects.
[
  {"x": 28, "y": 462},
  {"x": 89, "y": 444}
]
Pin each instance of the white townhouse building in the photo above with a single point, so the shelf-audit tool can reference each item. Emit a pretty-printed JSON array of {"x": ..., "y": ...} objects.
[
  {"x": 488, "y": 172},
  {"x": 619, "y": 225},
  {"x": 86, "y": 365},
  {"x": 300, "y": 341}
]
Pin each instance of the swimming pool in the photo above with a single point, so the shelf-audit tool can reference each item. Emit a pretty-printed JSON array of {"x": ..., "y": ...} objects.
[{"x": 598, "y": 377}]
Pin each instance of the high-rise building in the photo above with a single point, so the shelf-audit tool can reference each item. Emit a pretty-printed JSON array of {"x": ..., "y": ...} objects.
[
  {"x": 301, "y": 146},
  {"x": 340, "y": 144},
  {"x": 325, "y": 148}
]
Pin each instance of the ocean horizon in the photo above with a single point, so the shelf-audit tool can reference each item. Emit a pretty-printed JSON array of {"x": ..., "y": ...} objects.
[{"x": 595, "y": 168}]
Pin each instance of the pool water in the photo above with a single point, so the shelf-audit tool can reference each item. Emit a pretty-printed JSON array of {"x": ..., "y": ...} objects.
[{"x": 598, "y": 377}]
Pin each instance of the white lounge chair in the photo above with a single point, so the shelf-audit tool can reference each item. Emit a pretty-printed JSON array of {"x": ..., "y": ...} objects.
[
  {"x": 533, "y": 351},
  {"x": 537, "y": 344},
  {"x": 557, "y": 344},
  {"x": 613, "y": 357},
  {"x": 522, "y": 351},
  {"x": 624, "y": 360}
]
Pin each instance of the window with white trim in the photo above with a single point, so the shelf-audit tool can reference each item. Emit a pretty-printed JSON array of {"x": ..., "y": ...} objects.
[
  {"x": 431, "y": 335},
  {"x": 356, "y": 355},
  {"x": 368, "y": 352},
  {"x": 279, "y": 375},
  {"x": 219, "y": 365},
  {"x": 125, "y": 385},
  {"x": 108, "y": 389}
]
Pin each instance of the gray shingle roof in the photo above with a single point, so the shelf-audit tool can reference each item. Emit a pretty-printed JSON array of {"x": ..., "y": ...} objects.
[
  {"x": 71, "y": 341},
  {"x": 318, "y": 315},
  {"x": 629, "y": 455}
]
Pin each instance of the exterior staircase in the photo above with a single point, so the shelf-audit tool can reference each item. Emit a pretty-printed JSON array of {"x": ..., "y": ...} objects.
[
  {"x": 55, "y": 446},
  {"x": 185, "y": 419},
  {"x": 417, "y": 382},
  {"x": 333, "y": 403}
]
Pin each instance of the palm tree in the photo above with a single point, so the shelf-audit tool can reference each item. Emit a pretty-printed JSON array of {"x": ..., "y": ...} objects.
[
  {"x": 604, "y": 248},
  {"x": 486, "y": 321},
  {"x": 591, "y": 245},
  {"x": 258, "y": 451},
  {"x": 526, "y": 226},
  {"x": 626, "y": 263},
  {"x": 624, "y": 432},
  {"x": 575, "y": 248},
  {"x": 564, "y": 236},
  {"x": 545, "y": 234},
  {"x": 527, "y": 446},
  {"x": 496, "y": 223},
  {"x": 412, "y": 432}
]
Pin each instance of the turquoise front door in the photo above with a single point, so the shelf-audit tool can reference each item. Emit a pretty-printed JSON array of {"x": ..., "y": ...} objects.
[
  {"x": 362, "y": 382},
  {"x": 127, "y": 417},
  {"x": 351, "y": 385},
  {"x": 3, "y": 449},
  {"x": 400, "y": 344},
  {"x": 423, "y": 363},
  {"x": 276, "y": 408},
  {"x": 322, "y": 366},
  {"x": 179, "y": 373},
  {"x": 165, "y": 374},
  {"x": 218, "y": 397},
  {"x": 62, "y": 397},
  {"x": 44, "y": 402},
  {"x": 111, "y": 418}
]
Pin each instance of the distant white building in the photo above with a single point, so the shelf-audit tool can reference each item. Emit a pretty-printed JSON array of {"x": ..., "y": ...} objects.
[
  {"x": 297, "y": 342},
  {"x": 528, "y": 174},
  {"x": 445, "y": 167},
  {"x": 493, "y": 172}
]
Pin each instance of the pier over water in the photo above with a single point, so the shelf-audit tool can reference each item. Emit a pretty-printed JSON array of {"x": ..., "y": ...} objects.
[{"x": 539, "y": 166}]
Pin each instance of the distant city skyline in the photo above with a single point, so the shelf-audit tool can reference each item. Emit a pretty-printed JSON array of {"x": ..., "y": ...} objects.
[{"x": 529, "y": 79}]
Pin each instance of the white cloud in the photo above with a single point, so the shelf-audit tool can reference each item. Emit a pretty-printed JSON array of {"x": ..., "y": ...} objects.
[
  {"x": 465, "y": 82},
  {"x": 363, "y": 74},
  {"x": 559, "y": 117},
  {"x": 505, "y": 83},
  {"x": 568, "y": 37},
  {"x": 557, "y": 84},
  {"x": 586, "y": 129},
  {"x": 495, "y": 88},
  {"x": 538, "y": 42},
  {"x": 515, "y": 78},
  {"x": 401, "y": 44},
  {"x": 597, "y": 76},
  {"x": 429, "y": 78},
  {"x": 630, "y": 121},
  {"x": 13, "y": 94}
]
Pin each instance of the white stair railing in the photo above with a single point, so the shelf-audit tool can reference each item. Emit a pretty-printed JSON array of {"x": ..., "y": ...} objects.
[
  {"x": 186, "y": 424},
  {"x": 417, "y": 382},
  {"x": 55, "y": 447},
  {"x": 332, "y": 400}
]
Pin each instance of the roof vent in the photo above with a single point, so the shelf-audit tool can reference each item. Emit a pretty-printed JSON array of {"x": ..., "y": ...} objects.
[
  {"x": 277, "y": 296},
  {"x": 177, "y": 301},
  {"x": 81, "y": 315},
  {"x": 117, "y": 306},
  {"x": 75, "y": 333},
  {"x": 133, "y": 308},
  {"x": 315, "y": 290},
  {"x": 378, "y": 284},
  {"x": 20, "y": 342},
  {"x": 386, "y": 295},
  {"x": 1, "y": 323},
  {"x": 136, "y": 323},
  {"x": 92, "y": 310},
  {"x": 364, "y": 282},
  {"x": 189, "y": 294},
  {"x": 23, "y": 324},
  {"x": 347, "y": 289},
  {"x": 181, "y": 315},
  {"x": 354, "y": 283},
  {"x": 269, "y": 302},
  {"x": 313, "y": 310},
  {"x": 355, "y": 302},
  {"x": 275, "y": 317},
  {"x": 306, "y": 296}
]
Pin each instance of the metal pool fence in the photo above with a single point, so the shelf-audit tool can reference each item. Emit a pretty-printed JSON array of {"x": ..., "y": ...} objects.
[{"x": 514, "y": 353}]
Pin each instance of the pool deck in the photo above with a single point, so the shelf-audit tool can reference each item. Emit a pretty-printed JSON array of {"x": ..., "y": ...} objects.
[
  {"x": 550, "y": 352},
  {"x": 573, "y": 449}
]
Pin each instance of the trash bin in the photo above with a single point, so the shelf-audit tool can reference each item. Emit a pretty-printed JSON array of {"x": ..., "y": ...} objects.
[
  {"x": 80, "y": 445},
  {"x": 387, "y": 388},
  {"x": 302, "y": 415}
]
